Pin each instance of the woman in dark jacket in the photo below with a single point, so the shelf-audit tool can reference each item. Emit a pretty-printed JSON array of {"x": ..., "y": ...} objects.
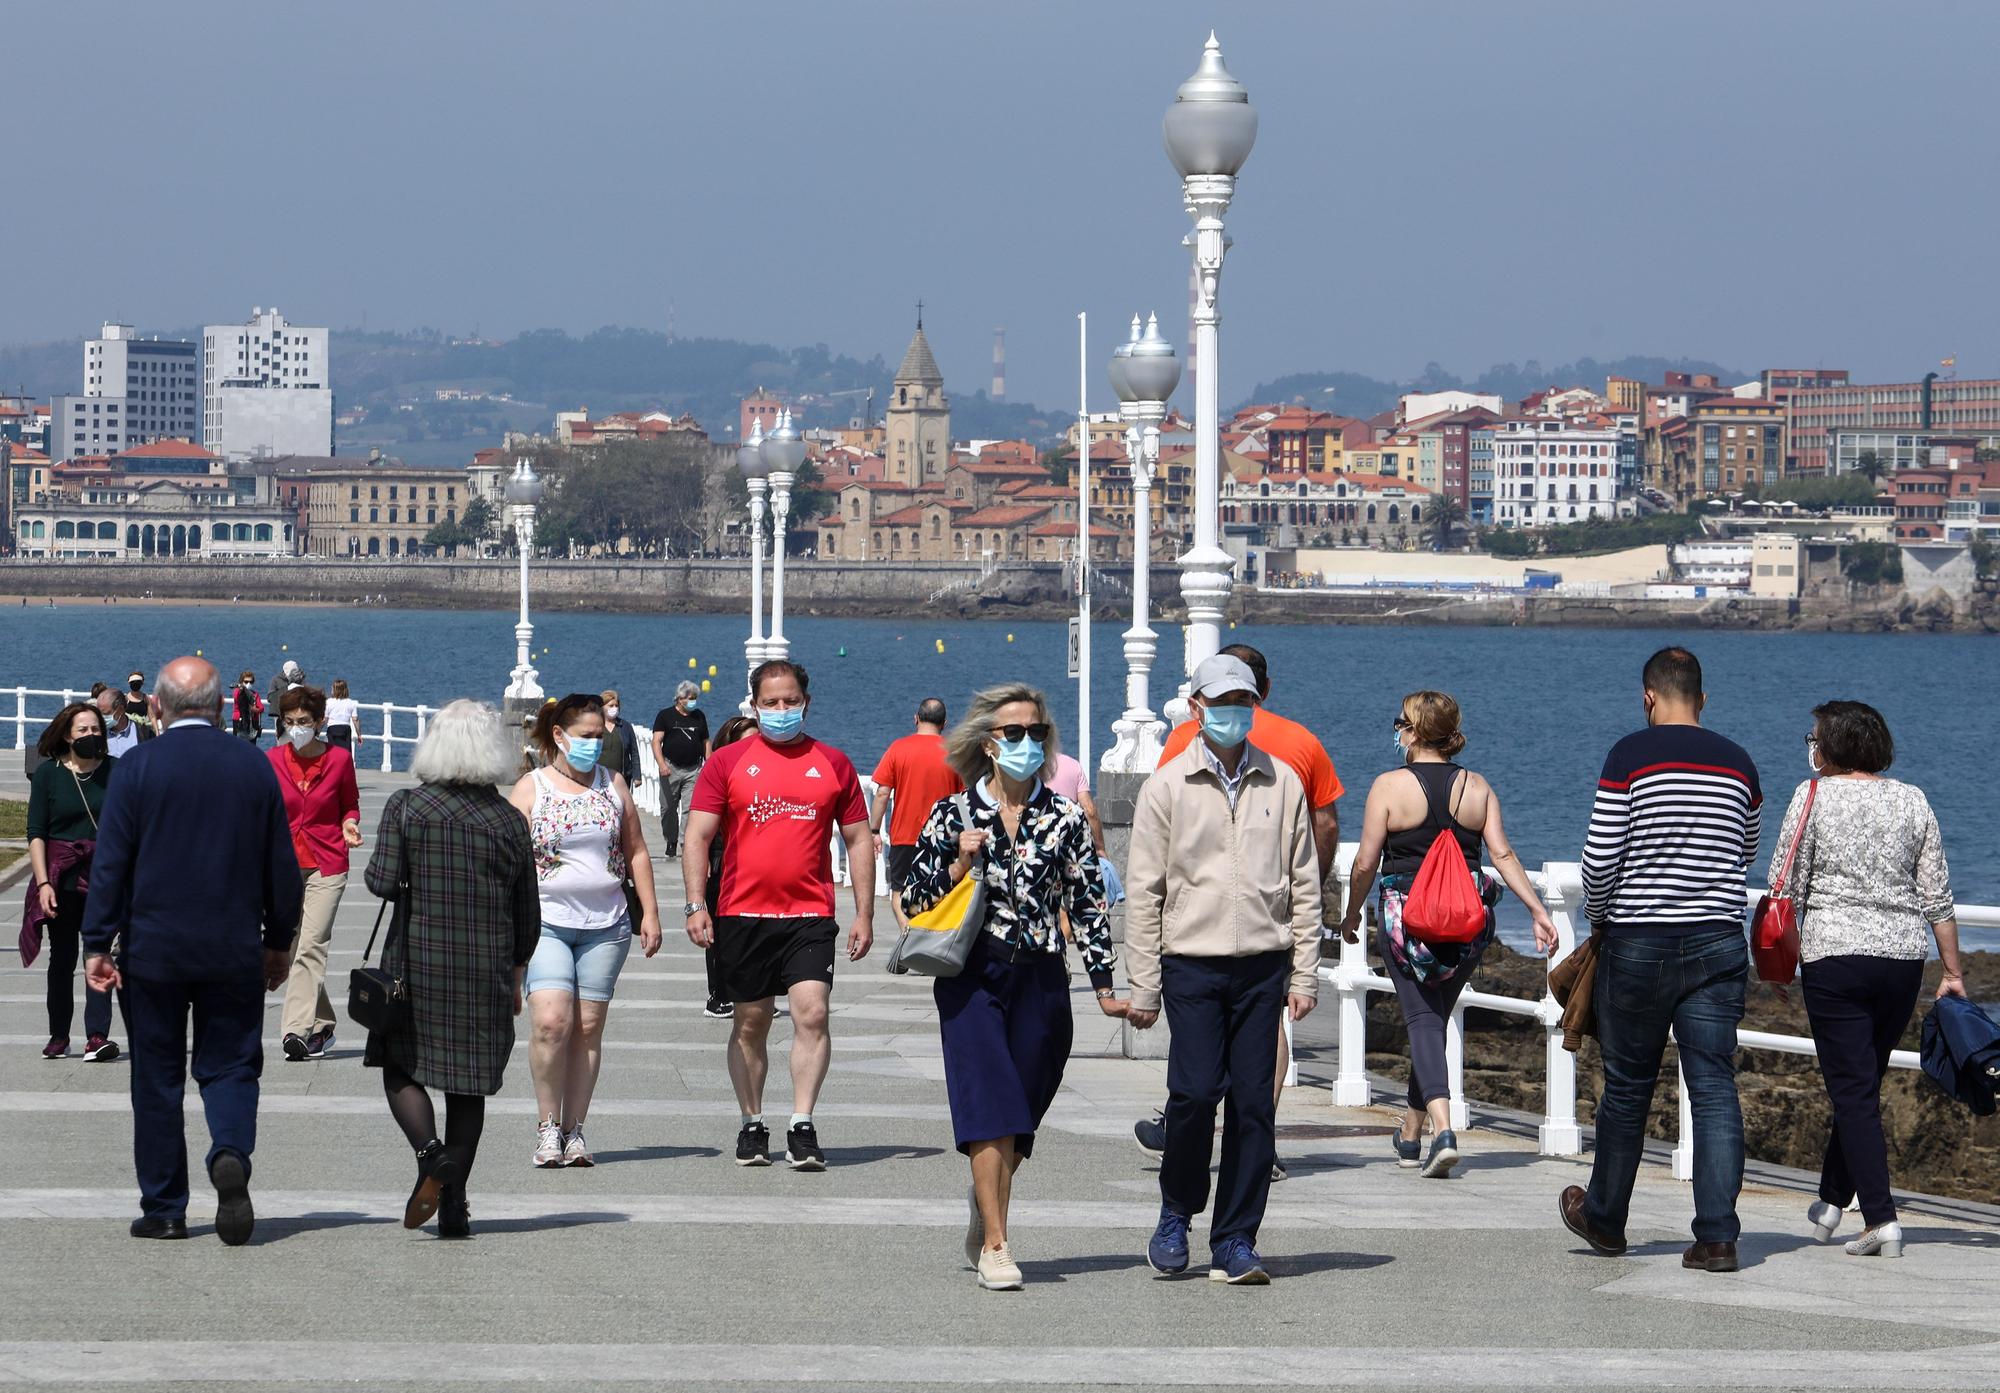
[
  {"x": 65, "y": 800},
  {"x": 460, "y": 853}
]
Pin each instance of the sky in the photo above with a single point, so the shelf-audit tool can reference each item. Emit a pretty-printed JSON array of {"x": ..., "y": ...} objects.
[{"x": 1780, "y": 183}]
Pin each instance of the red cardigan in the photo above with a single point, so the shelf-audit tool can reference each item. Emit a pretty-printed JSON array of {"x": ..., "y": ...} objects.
[{"x": 316, "y": 815}]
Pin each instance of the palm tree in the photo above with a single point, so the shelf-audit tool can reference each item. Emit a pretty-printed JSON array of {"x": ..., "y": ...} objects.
[
  {"x": 1447, "y": 516},
  {"x": 1871, "y": 465}
]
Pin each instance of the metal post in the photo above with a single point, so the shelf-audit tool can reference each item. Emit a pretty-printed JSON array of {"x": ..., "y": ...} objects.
[
  {"x": 753, "y": 647},
  {"x": 1350, "y": 1084},
  {"x": 777, "y": 645},
  {"x": 1205, "y": 567},
  {"x": 1454, "y": 1066},
  {"x": 1083, "y": 542},
  {"x": 1559, "y": 1135},
  {"x": 387, "y": 753},
  {"x": 20, "y": 718}
]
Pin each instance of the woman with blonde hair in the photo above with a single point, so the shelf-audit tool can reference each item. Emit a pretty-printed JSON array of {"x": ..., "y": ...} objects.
[
  {"x": 1407, "y": 809},
  {"x": 1005, "y": 1019},
  {"x": 460, "y": 855}
]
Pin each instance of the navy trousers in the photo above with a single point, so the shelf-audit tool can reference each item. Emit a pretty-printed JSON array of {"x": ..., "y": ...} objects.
[
  {"x": 1223, "y": 1013},
  {"x": 1859, "y": 1007},
  {"x": 228, "y": 1056}
]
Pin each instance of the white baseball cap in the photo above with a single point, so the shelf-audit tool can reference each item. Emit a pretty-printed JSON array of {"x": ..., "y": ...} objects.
[{"x": 1220, "y": 675}]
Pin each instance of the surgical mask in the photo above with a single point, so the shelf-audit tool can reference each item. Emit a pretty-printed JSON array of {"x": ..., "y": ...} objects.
[
  {"x": 300, "y": 736},
  {"x": 1396, "y": 744},
  {"x": 1812, "y": 760},
  {"x": 87, "y": 747},
  {"x": 692, "y": 703},
  {"x": 582, "y": 754},
  {"x": 1019, "y": 759},
  {"x": 779, "y": 723},
  {"x": 610, "y": 713},
  {"x": 1227, "y": 726}
]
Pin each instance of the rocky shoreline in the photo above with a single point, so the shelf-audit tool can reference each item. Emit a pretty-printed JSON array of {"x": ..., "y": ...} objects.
[{"x": 1936, "y": 1145}]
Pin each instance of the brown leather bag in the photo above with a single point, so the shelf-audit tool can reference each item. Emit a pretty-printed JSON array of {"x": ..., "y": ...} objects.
[{"x": 1572, "y": 983}]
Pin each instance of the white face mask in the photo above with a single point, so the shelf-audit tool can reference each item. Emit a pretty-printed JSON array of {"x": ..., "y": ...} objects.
[
  {"x": 300, "y": 736},
  {"x": 610, "y": 713}
]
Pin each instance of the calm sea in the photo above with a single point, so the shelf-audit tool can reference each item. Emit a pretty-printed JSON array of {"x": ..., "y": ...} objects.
[{"x": 1541, "y": 705}]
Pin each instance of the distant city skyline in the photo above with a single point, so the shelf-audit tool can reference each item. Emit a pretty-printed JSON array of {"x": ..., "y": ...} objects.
[{"x": 1462, "y": 183}]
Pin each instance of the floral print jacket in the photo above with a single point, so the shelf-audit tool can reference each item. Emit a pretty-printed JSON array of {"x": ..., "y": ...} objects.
[{"x": 1050, "y": 866}]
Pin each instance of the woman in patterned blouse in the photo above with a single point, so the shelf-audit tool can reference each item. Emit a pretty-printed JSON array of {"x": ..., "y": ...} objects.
[
  {"x": 1006, "y": 1018},
  {"x": 1871, "y": 888}
]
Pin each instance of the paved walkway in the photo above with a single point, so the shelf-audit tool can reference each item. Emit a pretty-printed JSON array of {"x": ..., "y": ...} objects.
[{"x": 668, "y": 1266}]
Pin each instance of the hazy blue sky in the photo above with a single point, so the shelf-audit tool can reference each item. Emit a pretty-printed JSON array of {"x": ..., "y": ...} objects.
[{"x": 1780, "y": 181}]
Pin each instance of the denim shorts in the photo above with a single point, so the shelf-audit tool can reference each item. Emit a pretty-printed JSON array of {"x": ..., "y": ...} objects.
[{"x": 582, "y": 962}]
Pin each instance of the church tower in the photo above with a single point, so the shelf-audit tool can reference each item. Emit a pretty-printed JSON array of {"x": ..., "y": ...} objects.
[{"x": 918, "y": 434}]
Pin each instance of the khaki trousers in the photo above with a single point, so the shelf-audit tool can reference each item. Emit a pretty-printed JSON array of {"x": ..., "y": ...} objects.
[{"x": 306, "y": 1006}]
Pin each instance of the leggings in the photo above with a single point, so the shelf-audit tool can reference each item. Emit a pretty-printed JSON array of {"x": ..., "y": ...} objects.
[
  {"x": 65, "y": 936},
  {"x": 1426, "y": 1007},
  {"x": 464, "y": 1118}
]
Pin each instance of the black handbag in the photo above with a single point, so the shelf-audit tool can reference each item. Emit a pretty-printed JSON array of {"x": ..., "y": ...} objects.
[{"x": 376, "y": 997}]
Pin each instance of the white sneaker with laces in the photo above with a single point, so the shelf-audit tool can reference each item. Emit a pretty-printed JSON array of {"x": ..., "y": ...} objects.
[
  {"x": 997, "y": 1270},
  {"x": 576, "y": 1152},
  {"x": 549, "y": 1143}
]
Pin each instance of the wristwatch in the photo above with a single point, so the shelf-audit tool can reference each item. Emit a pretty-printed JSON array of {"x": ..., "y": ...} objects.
[{"x": 692, "y": 908}]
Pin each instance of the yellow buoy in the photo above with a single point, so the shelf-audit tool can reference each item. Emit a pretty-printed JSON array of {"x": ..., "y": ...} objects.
[
  {"x": 284, "y": 648},
  {"x": 691, "y": 662},
  {"x": 940, "y": 645},
  {"x": 1010, "y": 638},
  {"x": 711, "y": 669},
  {"x": 704, "y": 684}
]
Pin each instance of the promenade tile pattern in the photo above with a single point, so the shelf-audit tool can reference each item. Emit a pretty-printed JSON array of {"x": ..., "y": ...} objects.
[{"x": 667, "y": 1266}]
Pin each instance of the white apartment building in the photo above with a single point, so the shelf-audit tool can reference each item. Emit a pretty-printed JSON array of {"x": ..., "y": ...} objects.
[
  {"x": 265, "y": 388},
  {"x": 135, "y": 391},
  {"x": 1551, "y": 471}
]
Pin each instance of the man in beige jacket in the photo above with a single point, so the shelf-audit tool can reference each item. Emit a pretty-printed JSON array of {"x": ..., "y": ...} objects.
[{"x": 1222, "y": 926}]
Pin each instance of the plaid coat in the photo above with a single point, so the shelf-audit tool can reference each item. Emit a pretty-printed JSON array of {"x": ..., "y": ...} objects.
[{"x": 474, "y": 917}]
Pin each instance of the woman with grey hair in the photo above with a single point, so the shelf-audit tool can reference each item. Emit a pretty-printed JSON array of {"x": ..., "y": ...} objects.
[
  {"x": 1005, "y": 1019},
  {"x": 459, "y": 854}
]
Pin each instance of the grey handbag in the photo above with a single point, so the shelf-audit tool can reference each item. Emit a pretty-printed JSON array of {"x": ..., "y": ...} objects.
[{"x": 938, "y": 942}]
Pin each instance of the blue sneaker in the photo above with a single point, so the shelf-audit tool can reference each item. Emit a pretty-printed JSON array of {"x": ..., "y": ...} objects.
[
  {"x": 1167, "y": 1253},
  {"x": 1409, "y": 1154},
  {"x": 1444, "y": 1155},
  {"x": 1236, "y": 1262}
]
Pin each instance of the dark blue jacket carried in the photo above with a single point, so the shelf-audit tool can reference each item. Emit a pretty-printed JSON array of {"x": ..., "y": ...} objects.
[
  {"x": 195, "y": 870},
  {"x": 1961, "y": 1051}
]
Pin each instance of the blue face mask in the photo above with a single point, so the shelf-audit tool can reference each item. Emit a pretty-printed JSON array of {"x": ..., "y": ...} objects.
[
  {"x": 692, "y": 703},
  {"x": 1019, "y": 759},
  {"x": 582, "y": 754},
  {"x": 780, "y": 724},
  {"x": 1227, "y": 726},
  {"x": 1396, "y": 744}
]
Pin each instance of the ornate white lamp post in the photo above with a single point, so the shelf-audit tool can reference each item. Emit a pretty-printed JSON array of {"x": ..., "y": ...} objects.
[
  {"x": 524, "y": 491},
  {"x": 1209, "y": 131},
  {"x": 1144, "y": 373},
  {"x": 750, "y": 459},
  {"x": 784, "y": 452}
]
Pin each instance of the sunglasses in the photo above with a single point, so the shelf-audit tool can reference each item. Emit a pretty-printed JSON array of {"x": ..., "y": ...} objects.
[
  {"x": 1038, "y": 732},
  {"x": 1401, "y": 723}
]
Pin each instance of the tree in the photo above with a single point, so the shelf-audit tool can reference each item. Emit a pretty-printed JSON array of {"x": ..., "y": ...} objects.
[
  {"x": 1870, "y": 466},
  {"x": 650, "y": 495},
  {"x": 1447, "y": 514},
  {"x": 1873, "y": 563},
  {"x": 1985, "y": 557},
  {"x": 478, "y": 519},
  {"x": 448, "y": 537}
]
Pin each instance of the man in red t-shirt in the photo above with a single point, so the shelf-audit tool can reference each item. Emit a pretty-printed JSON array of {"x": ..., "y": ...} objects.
[
  {"x": 914, "y": 770},
  {"x": 778, "y": 796}
]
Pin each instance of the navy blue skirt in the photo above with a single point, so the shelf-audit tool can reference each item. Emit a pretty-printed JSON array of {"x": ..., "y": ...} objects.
[{"x": 1007, "y": 1032}]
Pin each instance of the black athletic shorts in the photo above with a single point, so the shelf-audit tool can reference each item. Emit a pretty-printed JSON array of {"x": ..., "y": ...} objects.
[
  {"x": 896, "y": 860},
  {"x": 768, "y": 957}
]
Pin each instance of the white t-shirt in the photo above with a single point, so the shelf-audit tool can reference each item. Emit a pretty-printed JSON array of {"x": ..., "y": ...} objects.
[{"x": 344, "y": 711}]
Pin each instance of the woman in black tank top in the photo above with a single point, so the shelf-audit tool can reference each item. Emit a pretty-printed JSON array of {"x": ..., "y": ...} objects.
[{"x": 1428, "y": 977}]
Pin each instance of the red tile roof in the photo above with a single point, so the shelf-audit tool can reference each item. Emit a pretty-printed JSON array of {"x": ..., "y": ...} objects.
[
  {"x": 904, "y": 517},
  {"x": 168, "y": 449},
  {"x": 999, "y": 515},
  {"x": 1382, "y": 481},
  {"x": 1068, "y": 529}
]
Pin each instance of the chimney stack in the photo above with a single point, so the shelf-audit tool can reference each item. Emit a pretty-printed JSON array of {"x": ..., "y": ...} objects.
[{"x": 999, "y": 365}]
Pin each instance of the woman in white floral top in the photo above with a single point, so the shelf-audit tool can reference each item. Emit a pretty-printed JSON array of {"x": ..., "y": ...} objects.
[
  {"x": 1872, "y": 889},
  {"x": 1005, "y": 1019}
]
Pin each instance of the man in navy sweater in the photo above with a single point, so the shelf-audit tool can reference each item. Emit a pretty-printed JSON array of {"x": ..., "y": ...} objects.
[
  {"x": 196, "y": 875},
  {"x": 1673, "y": 830}
]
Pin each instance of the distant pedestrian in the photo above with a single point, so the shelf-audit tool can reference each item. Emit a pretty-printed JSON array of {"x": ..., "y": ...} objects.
[
  {"x": 65, "y": 806},
  {"x": 290, "y": 675},
  {"x": 473, "y": 922},
  {"x": 1222, "y": 926},
  {"x": 593, "y": 870},
  {"x": 1005, "y": 1020},
  {"x": 343, "y": 719},
  {"x": 122, "y": 734},
  {"x": 779, "y": 797},
  {"x": 914, "y": 773},
  {"x": 246, "y": 708},
  {"x": 680, "y": 747},
  {"x": 1871, "y": 888},
  {"x": 721, "y": 1006},
  {"x": 136, "y": 705},
  {"x": 1407, "y": 810},
  {"x": 621, "y": 742},
  {"x": 204, "y": 909},
  {"x": 323, "y": 809},
  {"x": 1674, "y": 827}
]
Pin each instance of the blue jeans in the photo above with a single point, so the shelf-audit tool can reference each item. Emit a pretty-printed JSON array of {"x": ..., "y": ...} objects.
[{"x": 1694, "y": 986}]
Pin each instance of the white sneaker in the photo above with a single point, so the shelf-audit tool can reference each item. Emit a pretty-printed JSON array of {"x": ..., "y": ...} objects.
[
  {"x": 549, "y": 1143},
  {"x": 975, "y": 1229},
  {"x": 1884, "y": 1240},
  {"x": 575, "y": 1151},
  {"x": 1825, "y": 1219},
  {"x": 997, "y": 1270}
]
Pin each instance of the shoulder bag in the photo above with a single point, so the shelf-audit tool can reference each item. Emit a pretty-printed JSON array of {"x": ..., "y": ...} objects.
[
  {"x": 377, "y": 999},
  {"x": 938, "y": 942},
  {"x": 1774, "y": 928}
]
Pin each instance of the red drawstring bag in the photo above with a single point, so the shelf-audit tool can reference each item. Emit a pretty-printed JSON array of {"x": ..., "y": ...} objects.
[
  {"x": 1774, "y": 928},
  {"x": 1443, "y": 905}
]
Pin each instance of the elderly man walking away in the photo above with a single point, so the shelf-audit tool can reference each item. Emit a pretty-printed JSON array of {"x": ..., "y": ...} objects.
[
  {"x": 204, "y": 910},
  {"x": 1673, "y": 830},
  {"x": 1223, "y": 926}
]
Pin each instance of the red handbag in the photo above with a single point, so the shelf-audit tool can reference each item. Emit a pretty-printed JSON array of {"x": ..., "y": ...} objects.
[{"x": 1774, "y": 928}]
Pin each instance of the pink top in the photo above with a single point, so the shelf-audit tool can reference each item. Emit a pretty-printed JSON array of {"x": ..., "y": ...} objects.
[
  {"x": 1067, "y": 781},
  {"x": 317, "y": 811}
]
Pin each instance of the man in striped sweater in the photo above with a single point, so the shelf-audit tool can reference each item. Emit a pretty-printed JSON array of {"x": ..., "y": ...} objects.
[{"x": 1674, "y": 828}]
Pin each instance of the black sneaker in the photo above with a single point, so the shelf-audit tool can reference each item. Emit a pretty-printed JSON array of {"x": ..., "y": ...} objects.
[
  {"x": 1151, "y": 1134},
  {"x": 753, "y": 1145},
  {"x": 718, "y": 1009},
  {"x": 802, "y": 1148},
  {"x": 296, "y": 1050},
  {"x": 318, "y": 1043}
]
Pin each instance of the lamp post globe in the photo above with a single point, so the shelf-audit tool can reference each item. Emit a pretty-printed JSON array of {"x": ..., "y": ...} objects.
[
  {"x": 523, "y": 492},
  {"x": 1144, "y": 372},
  {"x": 1209, "y": 131},
  {"x": 784, "y": 450},
  {"x": 750, "y": 459}
]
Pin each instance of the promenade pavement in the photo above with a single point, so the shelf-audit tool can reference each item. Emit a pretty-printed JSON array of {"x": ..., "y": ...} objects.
[{"x": 668, "y": 1266}]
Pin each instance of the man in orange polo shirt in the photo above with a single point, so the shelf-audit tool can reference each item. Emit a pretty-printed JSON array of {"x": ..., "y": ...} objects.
[{"x": 1298, "y": 747}]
